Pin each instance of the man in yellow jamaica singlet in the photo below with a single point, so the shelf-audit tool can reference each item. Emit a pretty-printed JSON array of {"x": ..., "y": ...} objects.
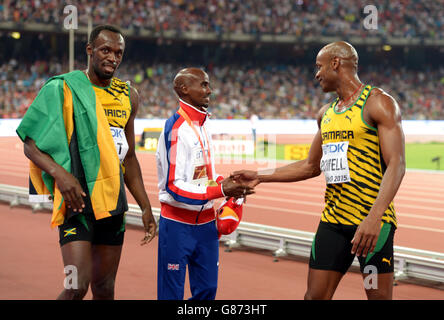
[
  {"x": 360, "y": 149},
  {"x": 79, "y": 136}
]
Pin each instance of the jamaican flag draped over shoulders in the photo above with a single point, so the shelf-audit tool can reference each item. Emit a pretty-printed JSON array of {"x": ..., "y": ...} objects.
[{"x": 67, "y": 122}]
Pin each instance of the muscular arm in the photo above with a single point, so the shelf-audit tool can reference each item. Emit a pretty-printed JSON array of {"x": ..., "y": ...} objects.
[
  {"x": 383, "y": 112},
  {"x": 133, "y": 174},
  {"x": 296, "y": 171}
]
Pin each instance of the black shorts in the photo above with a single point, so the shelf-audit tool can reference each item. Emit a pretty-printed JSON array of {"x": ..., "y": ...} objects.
[
  {"x": 106, "y": 231},
  {"x": 331, "y": 249}
]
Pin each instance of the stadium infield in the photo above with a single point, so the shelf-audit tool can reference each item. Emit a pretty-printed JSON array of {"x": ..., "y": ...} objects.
[{"x": 32, "y": 266}]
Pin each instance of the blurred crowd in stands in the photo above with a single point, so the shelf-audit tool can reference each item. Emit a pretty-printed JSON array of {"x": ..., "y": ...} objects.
[
  {"x": 406, "y": 18},
  {"x": 271, "y": 91}
]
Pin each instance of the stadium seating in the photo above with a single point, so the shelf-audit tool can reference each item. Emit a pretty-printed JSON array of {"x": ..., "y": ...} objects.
[{"x": 284, "y": 92}]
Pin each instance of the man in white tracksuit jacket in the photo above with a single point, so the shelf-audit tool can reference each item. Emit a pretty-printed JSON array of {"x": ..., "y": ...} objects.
[{"x": 188, "y": 185}]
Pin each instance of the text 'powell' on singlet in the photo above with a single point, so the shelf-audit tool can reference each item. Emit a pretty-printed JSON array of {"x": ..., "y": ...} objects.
[{"x": 352, "y": 164}]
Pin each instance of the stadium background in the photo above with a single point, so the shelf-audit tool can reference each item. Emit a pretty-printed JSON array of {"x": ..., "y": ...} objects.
[{"x": 260, "y": 58}]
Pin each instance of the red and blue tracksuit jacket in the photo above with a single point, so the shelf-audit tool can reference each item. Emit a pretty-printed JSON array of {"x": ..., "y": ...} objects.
[{"x": 187, "y": 186}]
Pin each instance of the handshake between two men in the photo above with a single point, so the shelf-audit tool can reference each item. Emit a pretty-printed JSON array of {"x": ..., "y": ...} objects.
[{"x": 240, "y": 184}]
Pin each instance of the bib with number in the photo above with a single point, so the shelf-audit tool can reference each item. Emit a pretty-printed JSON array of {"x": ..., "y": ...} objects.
[
  {"x": 334, "y": 162},
  {"x": 120, "y": 142}
]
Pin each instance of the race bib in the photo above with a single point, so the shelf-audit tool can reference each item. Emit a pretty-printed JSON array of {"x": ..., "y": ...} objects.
[
  {"x": 120, "y": 142},
  {"x": 334, "y": 162}
]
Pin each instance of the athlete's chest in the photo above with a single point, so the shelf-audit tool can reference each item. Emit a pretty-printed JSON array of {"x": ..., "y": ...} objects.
[
  {"x": 197, "y": 146},
  {"x": 196, "y": 143},
  {"x": 343, "y": 126},
  {"x": 116, "y": 105}
]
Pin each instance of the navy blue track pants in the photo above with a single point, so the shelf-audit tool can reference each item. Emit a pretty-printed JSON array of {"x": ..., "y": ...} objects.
[{"x": 182, "y": 245}]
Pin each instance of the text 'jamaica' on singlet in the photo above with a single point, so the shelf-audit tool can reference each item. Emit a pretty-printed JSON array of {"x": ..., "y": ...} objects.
[
  {"x": 352, "y": 164},
  {"x": 116, "y": 103}
]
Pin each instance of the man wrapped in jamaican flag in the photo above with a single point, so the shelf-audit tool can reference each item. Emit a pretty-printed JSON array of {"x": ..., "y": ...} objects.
[{"x": 79, "y": 135}]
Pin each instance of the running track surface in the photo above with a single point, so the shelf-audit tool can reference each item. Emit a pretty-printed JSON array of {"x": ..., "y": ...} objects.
[{"x": 32, "y": 266}]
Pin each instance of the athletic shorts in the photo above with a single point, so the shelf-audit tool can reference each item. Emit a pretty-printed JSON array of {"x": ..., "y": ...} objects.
[
  {"x": 331, "y": 249},
  {"x": 106, "y": 231}
]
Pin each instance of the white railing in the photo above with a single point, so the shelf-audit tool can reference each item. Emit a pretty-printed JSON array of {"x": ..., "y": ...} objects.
[{"x": 409, "y": 263}]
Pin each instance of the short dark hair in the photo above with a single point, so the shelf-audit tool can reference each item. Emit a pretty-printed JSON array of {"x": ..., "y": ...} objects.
[{"x": 96, "y": 31}]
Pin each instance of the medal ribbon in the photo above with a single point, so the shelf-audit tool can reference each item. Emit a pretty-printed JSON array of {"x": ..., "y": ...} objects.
[{"x": 191, "y": 124}]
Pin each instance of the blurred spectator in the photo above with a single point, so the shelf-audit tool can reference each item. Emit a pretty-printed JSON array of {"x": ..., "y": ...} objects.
[
  {"x": 272, "y": 91},
  {"x": 407, "y": 18}
]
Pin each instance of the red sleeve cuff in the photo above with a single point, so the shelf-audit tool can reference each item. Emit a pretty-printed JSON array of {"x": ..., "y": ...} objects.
[
  {"x": 215, "y": 192},
  {"x": 219, "y": 179}
]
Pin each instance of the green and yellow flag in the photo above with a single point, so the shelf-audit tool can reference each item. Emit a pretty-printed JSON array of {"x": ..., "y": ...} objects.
[{"x": 67, "y": 104}]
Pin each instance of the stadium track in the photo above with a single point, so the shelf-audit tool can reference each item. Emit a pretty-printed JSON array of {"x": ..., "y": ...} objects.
[{"x": 32, "y": 266}]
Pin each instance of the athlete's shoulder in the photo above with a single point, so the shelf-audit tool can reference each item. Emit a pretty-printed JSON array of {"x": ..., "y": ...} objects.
[
  {"x": 380, "y": 97},
  {"x": 54, "y": 85},
  {"x": 118, "y": 82},
  {"x": 133, "y": 90},
  {"x": 120, "y": 86},
  {"x": 324, "y": 108},
  {"x": 174, "y": 122},
  {"x": 379, "y": 94},
  {"x": 382, "y": 104},
  {"x": 54, "y": 82}
]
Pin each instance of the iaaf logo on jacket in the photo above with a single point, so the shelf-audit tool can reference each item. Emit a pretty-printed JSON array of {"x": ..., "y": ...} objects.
[{"x": 173, "y": 266}]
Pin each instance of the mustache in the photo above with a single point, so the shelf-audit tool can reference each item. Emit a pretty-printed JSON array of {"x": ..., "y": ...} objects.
[{"x": 113, "y": 64}]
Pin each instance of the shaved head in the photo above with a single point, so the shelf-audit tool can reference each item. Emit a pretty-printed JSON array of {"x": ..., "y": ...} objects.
[
  {"x": 193, "y": 86},
  {"x": 337, "y": 63},
  {"x": 342, "y": 50},
  {"x": 185, "y": 77}
]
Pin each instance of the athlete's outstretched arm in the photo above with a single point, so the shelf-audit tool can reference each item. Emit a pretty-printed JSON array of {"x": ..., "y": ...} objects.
[
  {"x": 133, "y": 174},
  {"x": 296, "y": 171},
  {"x": 384, "y": 111}
]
